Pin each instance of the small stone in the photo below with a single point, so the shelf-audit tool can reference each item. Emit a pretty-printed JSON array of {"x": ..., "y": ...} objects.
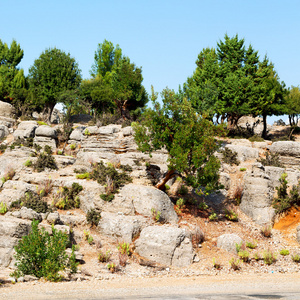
[{"x": 21, "y": 279}]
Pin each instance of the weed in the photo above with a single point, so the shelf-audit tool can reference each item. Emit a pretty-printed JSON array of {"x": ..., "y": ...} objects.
[
  {"x": 231, "y": 215},
  {"x": 8, "y": 175},
  {"x": 124, "y": 248},
  {"x": 72, "y": 147},
  {"x": 284, "y": 252},
  {"x": 239, "y": 247},
  {"x": 243, "y": 169},
  {"x": 88, "y": 237},
  {"x": 68, "y": 197},
  {"x": 296, "y": 258},
  {"x": 156, "y": 215},
  {"x": 112, "y": 267},
  {"x": 202, "y": 205},
  {"x": 271, "y": 159},
  {"x": 213, "y": 217},
  {"x": 41, "y": 123},
  {"x": 235, "y": 264},
  {"x": 86, "y": 132},
  {"x": 28, "y": 163},
  {"x": 269, "y": 257},
  {"x": 2, "y": 148},
  {"x": 243, "y": 255},
  {"x": 93, "y": 217},
  {"x": 104, "y": 257},
  {"x": 256, "y": 138},
  {"x": 216, "y": 264},
  {"x": 266, "y": 231},
  {"x": 3, "y": 208},
  {"x": 45, "y": 160},
  {"x": 237, "y": 195},
  {"x": 251, "y": 245},
  {"x": 45, "y": 188},
  {"x": 257, "y": 256},
  {"x": 180, "y": 203},
  {"x": 197, "y": 236},
  {"x": 230, "y": 157},
  {"x": 107, "y": 197},
  {"x": 83, "y": 176}
]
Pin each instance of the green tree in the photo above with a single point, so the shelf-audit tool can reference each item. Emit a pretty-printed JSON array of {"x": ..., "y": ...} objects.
[
  {"x": 292, "y": 100},
  {"x": 11, "y": 77},
  {"x": 52, "y": 74},
  {"x": 116, "y": 83},
  {"x": 188, "y": 138}
]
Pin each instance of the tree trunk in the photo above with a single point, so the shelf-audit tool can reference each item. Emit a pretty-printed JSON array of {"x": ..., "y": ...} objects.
[
  {"x": 161, "y": 184},
  {"x": 264, "y": 133},
  {"x": 47, "y": 112}
]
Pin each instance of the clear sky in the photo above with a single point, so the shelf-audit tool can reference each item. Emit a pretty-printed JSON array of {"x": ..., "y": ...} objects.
[{"x": 163, "y": 37}]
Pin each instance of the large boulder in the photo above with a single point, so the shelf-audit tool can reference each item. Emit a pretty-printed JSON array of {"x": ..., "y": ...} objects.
[
  {"x": 25, "y": 129},
  {"x": 244, "y": 153},
  {"x": 121, "y": 227},
  {"x": 251, "y": 124},
  {"x": 165, "y": 245},
  {"x": 6, "y": 110},
  {"x": 3, "y": 131},
  {"x": 146, "y": 199},
  {"x": 11, "y": 230},
  {"x": 228, "y": 242},
  {"x": 288, "y": 151},
  {"x": 46, "y": 131},
  {"x": 258, "y": 195}
]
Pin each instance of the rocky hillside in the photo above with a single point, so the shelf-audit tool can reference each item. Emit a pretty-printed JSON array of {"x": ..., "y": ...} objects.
[{"x": 168, "y": 233}]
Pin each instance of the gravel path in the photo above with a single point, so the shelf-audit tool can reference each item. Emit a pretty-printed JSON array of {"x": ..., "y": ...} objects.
[{"x": 268, "y": 286}]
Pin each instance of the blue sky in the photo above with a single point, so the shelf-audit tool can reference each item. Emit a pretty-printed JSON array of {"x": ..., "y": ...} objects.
[{"x": 163, "y": 37}]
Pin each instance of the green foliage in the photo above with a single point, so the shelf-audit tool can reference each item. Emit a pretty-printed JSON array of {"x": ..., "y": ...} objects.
[
  {"x": 107, "y": 197},
  {"x": 239, "y": 246},
  {"x": 285, "y": 201},
  {"x": 8, "y": 175},
  {"x": 284, "y": 252},
  {"x": 41, "y": 254},
  {"x": 237, "y": 195},
  {"x": 230, "y": 157},
  {"x": 257, "y": 256},
  {"x": 271, "y": 159},
  {"x": 188, "y": 138},
  {"x": 112, "y": 267},
  {"x": 3, "y": 208},
  {"x": 83, "y": 176},
  {"x": 213, "y": 217},
  {"x": 251, "y": 245},
  {"x": 293, "y": 105},
  {"x": 216, "y": 264},
  {"x": 296, "y": 258},
  {"x": 183, "y": 190},
  {"x": 256, "y": 138},
  {"x": 202, "y": 205},
  {"x": 231, "y": 215},
  {"x": 243, "y": 169},
  {"x": 156, "y": 215},
  {"x": 28, "y": 163},
  {"x": 104, "y": 257},
  {"x": 72, "y": 147},
  {"x": 68, "y": 197},
  {"x": 243, "y": 255},
  {"x": 124, "y": 248},
  {"x": 45, "y": 160},
  {"x": 88, "y": 237},
  {"x": 180, "y": 203},
  {"x": 93, "y": 217},
  {"x": 269, "y": 257},
  {"x": 2, "y": 148},
  {"x": 235, "y": 264},
  {"x": 33, "y": 201},
  {"x": 53, "y": 73},
  {"x": 41, "y": 123}
]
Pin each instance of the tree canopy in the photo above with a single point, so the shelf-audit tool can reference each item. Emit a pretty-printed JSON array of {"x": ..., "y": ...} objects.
[
  {"x": 52, "y": 74},
  {"x": 188, "y": 137},
  {"x": 293, "y": 105}
]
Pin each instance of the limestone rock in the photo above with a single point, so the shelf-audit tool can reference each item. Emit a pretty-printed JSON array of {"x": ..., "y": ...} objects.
[
  {"x": 123, "y": 228},
  {"x": 228, "y": 242},
  {"x": 3, "y": 131},
  {"x": 53, "y": 218},
  {"x": 25, "y": 129},
  {"x": 6, "y": 110},
  {"x": 165, "y": 245},
  {"x": 244, "y": 153}
]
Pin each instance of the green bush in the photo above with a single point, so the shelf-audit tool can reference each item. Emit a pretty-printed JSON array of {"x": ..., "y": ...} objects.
[
  {"x": 256, "y": 138},
  {"x": 284, "y": 252},
  {"x": 28, "y": 163},
  {"x": 2, "y": 148},
  {"x": 251, "y": 245},
  {"x": 93, "y": 217},
  {"x": 271, "y": 159},
  {"x": 243, "y": 255},
  {"x": 269, "y": 257},
  {"x": 45, "y": 160},
  {"x": 230, "y": 157},
  {"x": 3, "y": 208},
  {"x": 83, "y": 176},
  {"x": 43, "y": 255},
  {"x": 68, "y": 197},
  {"x": 33, "y": 201},
  {"x": 296, "y": 258},
  {"x": 107, "y": 197},
  {"x": 231, "y": 215}
]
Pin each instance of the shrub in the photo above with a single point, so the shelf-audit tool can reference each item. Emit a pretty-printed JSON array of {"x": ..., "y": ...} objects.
[
  {"x": 180, "y": 203},
  {"x": 296, "y": 258},
  {"x": 45, "y": 188},
  {"x": 112, "y": 267},
  {"x": 251, "y": 245},
  {"x": 183, "y": 190},
  {"x": 216, "y": 264},
  {"x": 33, "y": 201},
  {"x": 45, "y": 160},
  {"x": 239, "y": 247},
  {"x": 231, "y": 215},
  {"x": 68, "y": 197},
  {"x": 72, "y": 147},
  {"x": 256, "y": 138},
  {"x": 271, "y": 160},
  {"x": 235, "y": 264},
  {"x": 243, "y": 169},
  {"x": 230, "y": 157},
  {"x": 83, "y": 176},
  {"x": 93, "y": 217},
  {"x": 2, "y": 148},
  {"x": 28, "y": 163},
  {"x": 269, "y": 257},
  {"x": 48, "y": 149},
  {"x": 3, "y": 208},
  {"x": 156, "y": 215},
  {"x": 43, "y": 255},
  {"x": 243, "y": 255},
  {"x": 88, "y": 237},
  {"x": 237, "y": 195},
  {"x": 80, "y": 171},
  {"x": 213, "y": 217},
  {"x": 266, "y": 231},
  {"x": 107, "y": 197},
  {"x": 86, "y": 132},
  {"x": 284, "y": 252},
  {"x": 197, "y": 236},
  {"x": 104, "y": 257},
  {"x": 257, "y": 256},
  {"x": 124, "y": 248},
  {"x": 202, "y": 205}
]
